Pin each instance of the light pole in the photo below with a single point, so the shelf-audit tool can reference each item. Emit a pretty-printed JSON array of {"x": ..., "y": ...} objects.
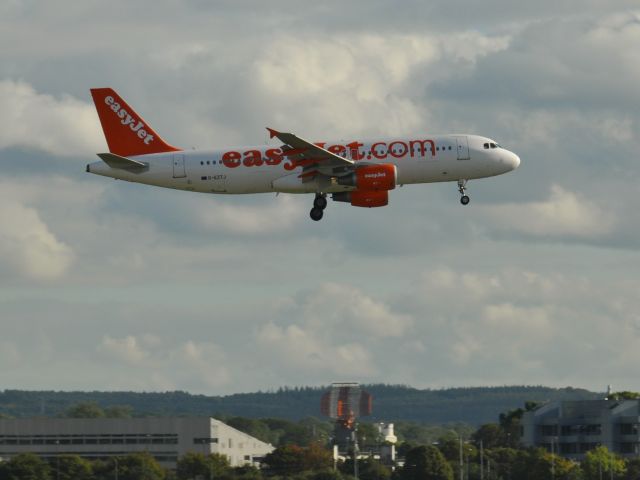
[
  {"x": 461, "y": 464},
  {"x": 553, "y": 461},
  {"x": 611, "y": 459},
  {"x": 355, "y": 451},
  {"x": 115, "y": 474},
  {"x": 57, "y": 459},
  {"x": 481, "y": 461}
]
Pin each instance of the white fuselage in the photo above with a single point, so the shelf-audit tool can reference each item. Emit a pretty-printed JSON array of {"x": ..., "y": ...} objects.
[{"x": 263, "y": 169}]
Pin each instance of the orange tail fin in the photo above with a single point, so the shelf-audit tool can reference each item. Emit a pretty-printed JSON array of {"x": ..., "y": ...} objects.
[{"x": 126, "y": 132}]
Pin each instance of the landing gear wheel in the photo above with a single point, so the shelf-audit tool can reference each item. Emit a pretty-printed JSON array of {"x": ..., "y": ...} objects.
[
  {"x": 462, "y": 184},
  {"x": 316, "y": 214},
  {"x": 320, "y": 202}
]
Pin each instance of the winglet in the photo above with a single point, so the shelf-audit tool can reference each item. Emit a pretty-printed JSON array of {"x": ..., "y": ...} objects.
[{"x": 272, "y": 133}]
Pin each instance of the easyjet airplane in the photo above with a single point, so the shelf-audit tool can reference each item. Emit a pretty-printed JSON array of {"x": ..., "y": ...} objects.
[{"x": 359, "y": 172}]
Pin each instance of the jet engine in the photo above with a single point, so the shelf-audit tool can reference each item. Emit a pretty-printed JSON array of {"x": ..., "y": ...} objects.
[
  {"x": 371, "y": 178},
  {"x": 366, "y": 198}
]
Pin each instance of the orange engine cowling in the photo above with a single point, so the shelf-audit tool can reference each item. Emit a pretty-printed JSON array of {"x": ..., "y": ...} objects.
[
  {"x": 363, "y": 198},
  {"x": 372, "y": 178}
]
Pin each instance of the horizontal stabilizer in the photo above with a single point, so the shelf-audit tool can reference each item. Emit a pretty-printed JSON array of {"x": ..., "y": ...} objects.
[{"x": 123, "y": 163}]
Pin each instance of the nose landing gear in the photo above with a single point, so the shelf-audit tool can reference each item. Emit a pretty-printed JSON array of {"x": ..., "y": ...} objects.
[
  {"x": 464, "y": 199},
  {"x": 319, "y": 204}
]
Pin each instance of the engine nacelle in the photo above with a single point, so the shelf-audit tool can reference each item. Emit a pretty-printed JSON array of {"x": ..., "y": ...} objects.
[
  {"x": 360, "y": 198},
  {"x": 371, "y": 178}
]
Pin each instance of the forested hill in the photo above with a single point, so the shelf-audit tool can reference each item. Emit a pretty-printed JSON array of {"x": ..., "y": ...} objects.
[{"x": 390, "y": 403}]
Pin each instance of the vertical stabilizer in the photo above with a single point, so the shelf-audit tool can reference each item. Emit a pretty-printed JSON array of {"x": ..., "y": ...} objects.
[{"x": 126, "y": 132}]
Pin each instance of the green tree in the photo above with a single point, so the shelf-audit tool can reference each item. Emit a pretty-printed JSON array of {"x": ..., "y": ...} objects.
[
  {"x": 500, "y": 461},
  {"x": 625, "y": 395},
  {"x": 70, "y": 467},
  {"x": 367, "y": 434},
  {"x": 510, "y": 423},
  {"x": 426, "y": 463},
  {"x": 245, "y": 472},
  {"x": 368, "y": 469},
  {"x": 85, "y": 410},
  {"x": 632, "y": 469},
  {"x": 139, "y": 466},
  {"x": 533, "y": 464},
  {"x": 491, "y": 436},
  {"x": 326, "y": 475},
  {"x": 25, "y": 466},
  {"x": 191, "y": 465},
  {"x": 285, "y": 460},
  {"x": 449, "y": 445},
  {"x": 316, "y": 457},
  {"x": 601, "y": 460},
  {"x": 118, "y": 411}
]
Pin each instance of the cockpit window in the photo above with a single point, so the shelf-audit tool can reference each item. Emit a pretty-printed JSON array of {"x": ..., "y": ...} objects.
[
  {"x": 486, "y": 145},
  {"x": 493, "y": 145}
]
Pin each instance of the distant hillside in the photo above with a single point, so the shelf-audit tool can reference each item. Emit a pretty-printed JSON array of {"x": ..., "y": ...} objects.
[{"x": 390, "y": 403}]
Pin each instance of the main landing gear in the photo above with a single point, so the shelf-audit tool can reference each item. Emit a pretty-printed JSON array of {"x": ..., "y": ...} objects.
[
  {"x": 319, "y": 204},
  {"x": 464, "y": 200}
]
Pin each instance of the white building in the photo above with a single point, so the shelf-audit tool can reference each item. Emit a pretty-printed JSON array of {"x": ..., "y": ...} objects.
[
  {"x": 166, "y": 439},
  {"x": 572, "y": 428}
]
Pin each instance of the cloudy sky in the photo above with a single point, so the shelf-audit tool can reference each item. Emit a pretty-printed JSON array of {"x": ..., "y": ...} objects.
[{"x": 110, "y": 285}]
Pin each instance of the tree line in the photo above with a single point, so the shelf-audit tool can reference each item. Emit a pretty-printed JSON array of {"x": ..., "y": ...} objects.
[
  {"x": 424, "y": 462},
  {"x": 391, "y": 402}
]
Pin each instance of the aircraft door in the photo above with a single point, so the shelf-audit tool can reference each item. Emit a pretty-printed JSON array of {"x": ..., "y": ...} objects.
[
  {"x": 178, "y": 166},
  {"x": 463, "y": 148}
]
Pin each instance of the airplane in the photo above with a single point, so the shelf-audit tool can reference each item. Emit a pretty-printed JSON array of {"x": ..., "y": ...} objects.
[{"x": 358, "y": 172}]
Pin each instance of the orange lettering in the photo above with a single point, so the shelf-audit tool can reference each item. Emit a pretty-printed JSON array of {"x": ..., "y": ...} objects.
[
  {"x": 374, "y": 150},
  {"x": 231, "y": 159},
  {"x": 274, "y": 156},
  {"x": 337, "y": 149},
  {"x": 421, "y": 144},
  {"x": 402, "y": 149},
  {"x": 354, "y": 148},
  {"x": 252, "y": 158}
]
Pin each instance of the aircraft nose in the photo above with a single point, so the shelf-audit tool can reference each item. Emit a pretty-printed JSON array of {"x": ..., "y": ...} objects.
[{"x": 513, "y": 161}]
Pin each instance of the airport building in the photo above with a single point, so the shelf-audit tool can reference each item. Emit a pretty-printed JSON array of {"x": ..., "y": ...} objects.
[
  {"x": 572, "y": 428},
  {"x": 167, "y": 439}
]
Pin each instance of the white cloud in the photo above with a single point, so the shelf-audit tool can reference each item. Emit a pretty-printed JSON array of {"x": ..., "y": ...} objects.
[
  {"x": 125, "y": 349},
  {"x": 295, "y": 349},
  {"x": 343, "y": 306},
  {"x": 508, "y": 317},
  {"x": 28, "y": 247},
  {"x": 564, "y": 214},
  {"x": 129, "y": 258},
  {"x": 62, "y": 126},
  {"x": 155, "y": 362},
  {"x": 350, "y": 79},
  {"x": 275, "y": 216}
]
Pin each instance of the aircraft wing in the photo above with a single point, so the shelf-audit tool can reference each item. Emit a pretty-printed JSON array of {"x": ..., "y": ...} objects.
[{"x": 314, "y": 159}]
